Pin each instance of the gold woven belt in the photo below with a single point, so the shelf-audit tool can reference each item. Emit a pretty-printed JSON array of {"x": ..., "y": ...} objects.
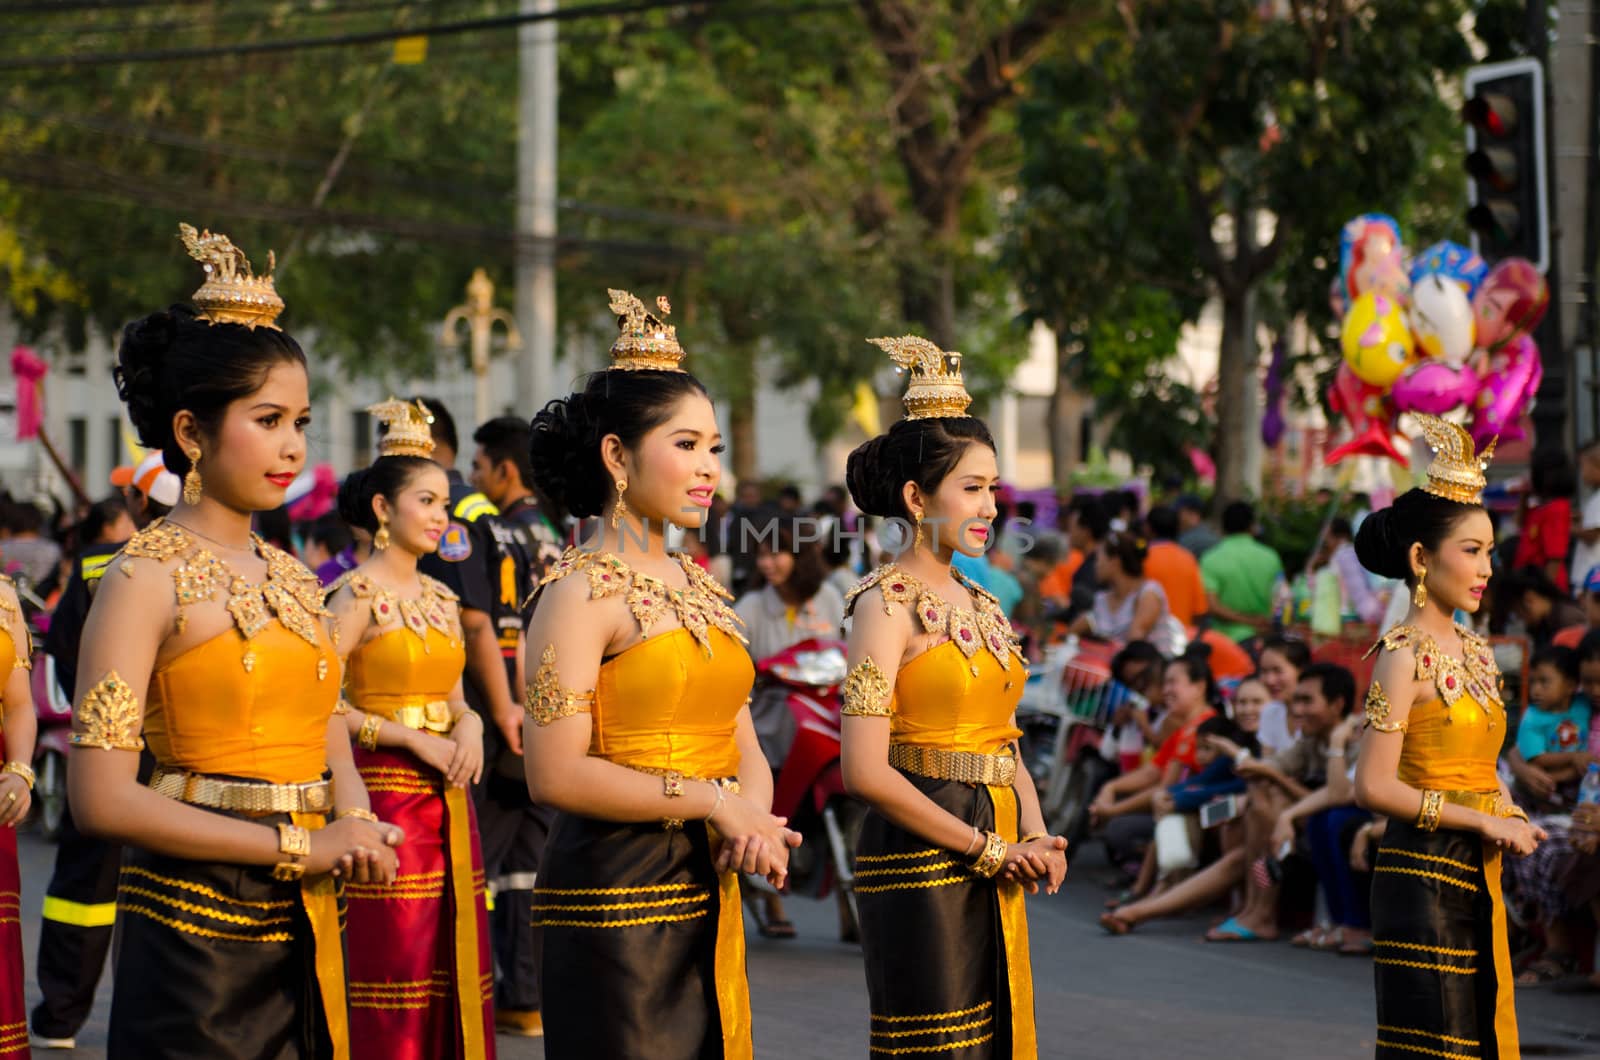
[
  {"x": 968, "y": 767},
  {"x": 243, "y": 796},
  {"x": 433, "y": 716},
  {"x": 1488, "y": 802}
]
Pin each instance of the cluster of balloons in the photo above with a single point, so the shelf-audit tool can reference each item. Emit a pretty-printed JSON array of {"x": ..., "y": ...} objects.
[{"x": 1447, "y": 333}]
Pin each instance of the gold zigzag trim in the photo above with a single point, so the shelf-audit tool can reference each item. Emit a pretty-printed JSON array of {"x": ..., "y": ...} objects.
[
  {"x": 918, "y": 885},
  {"x": 200, "y": 910},
  {"x": 935, "y": 1030},
  {"x": 617, "y": 890},
  {"x": 907, "y": 868},
  {"x": 697, "y": 914},
  {"x": 1469, "y": 1042},
  {"x": 202, "y": 889},
  {"x": 930, "y": 852},
  {"x": 1424, "y": 872},
  {"x": 560, "y": 908},
  {"x": 933, "y": 1015},
  {"x": 1441, "y": 950},
  {"x": 1425, "y": 966},
  {"x": 947, "y": 1048},
  {"x": 1408, "y": 1047},
  {"x": 192, "y": 929},
  {"x": 1462, "y": 865}
]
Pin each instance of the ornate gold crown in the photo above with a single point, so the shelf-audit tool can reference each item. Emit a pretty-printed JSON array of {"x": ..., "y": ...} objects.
[
  {"x": 936, "y": 389},
  {"x": 405, "y": 428},
  {"x": 644, "y": 341},
  {"x": 1456, "y": 473},
  {"x": 232, "y": 293}
]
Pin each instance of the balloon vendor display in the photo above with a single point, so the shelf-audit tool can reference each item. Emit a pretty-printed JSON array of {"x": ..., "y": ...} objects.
[{"x": 1446, "y": 333}]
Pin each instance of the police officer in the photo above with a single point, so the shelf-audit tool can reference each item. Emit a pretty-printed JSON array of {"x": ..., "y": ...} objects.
[
  {"x": 80, "y": 901},
  {"x": 481, "y": 557}
]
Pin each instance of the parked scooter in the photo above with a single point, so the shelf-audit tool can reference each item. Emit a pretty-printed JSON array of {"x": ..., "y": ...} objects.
[
  {"x": 810, "y": 785},
  {"x": 54, "y": 713}
]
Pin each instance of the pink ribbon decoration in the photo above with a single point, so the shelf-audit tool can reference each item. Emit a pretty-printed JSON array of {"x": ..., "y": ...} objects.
[{"x": 29, "y": 371}]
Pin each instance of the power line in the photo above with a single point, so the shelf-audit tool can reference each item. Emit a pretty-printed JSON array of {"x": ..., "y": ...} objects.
[
  {"x": 378, "y": 36},
  {"x": 252, "y": 18}
]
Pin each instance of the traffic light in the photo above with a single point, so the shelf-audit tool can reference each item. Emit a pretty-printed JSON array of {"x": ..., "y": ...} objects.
[{"x": 1509, "y": 190}]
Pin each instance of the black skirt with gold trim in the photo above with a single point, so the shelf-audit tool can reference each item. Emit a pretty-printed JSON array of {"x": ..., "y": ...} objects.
[
  {"x": 1442, "y": 959},
  {"x": 218, "y": 961},
  {"x": 946, "y": 950},
  {"x": 643, "y": 950}
]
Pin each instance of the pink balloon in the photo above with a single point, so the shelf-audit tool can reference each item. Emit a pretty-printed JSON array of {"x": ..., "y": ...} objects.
[
  {"x": 1435, "y": 388},
  {"x": 1508, "y": 389},
  {"x": 1510, "y": 303},
  {"x": 1370, "y": 414}
]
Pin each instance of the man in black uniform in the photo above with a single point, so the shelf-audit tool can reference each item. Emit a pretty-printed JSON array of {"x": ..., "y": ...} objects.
[
  {"x": 479, "y": 559},
  {"x": 80, "y": 902},
  {"x": 513, "y": 827}
]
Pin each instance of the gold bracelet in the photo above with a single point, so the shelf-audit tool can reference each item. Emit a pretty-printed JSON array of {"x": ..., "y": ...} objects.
[
  {"x": 1428, "y": 815},
  {"x": 368, "y": 736},
  {"x": 359, "y": 814},
  {"x": 293, "y": 842},
  {"x": 20, "y": 769},
  {"x": 993, "y": 857},
  {"x": 672, "y": 785}
]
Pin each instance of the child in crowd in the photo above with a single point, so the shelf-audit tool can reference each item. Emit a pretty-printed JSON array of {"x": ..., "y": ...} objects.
[
  {"x": 1553, "y": 734},
  {"x": 1282, "y": 659}
]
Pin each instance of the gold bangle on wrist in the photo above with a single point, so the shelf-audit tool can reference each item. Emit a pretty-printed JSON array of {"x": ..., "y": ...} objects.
[
  {"x": 1428, "y": 815},
  {"x": 359, "y": 814},
  {"x": 20, "y": 769},
  {"x": 993, "y": 857},
  {"x": 293, "y": 842},
  {"x": 368, "y": 736}
]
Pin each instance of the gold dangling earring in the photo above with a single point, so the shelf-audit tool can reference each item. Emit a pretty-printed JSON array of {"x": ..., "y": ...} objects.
[
  {"x": 916, "y": 542},
  {"x": 622, "y": 506},
  {"x": 380, "y": 540},
  {"x": 191, "y": 480},
  {"x": 1420, "y": 595}
]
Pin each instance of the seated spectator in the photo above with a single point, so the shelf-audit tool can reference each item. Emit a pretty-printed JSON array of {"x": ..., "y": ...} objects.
[
  {"x": 1553, "y": 734},
  {"x": 1141, "y": 669},
  {"x": 1543, "y": 609},
  {"x": 1544, "y": 890},
  {"x": 1070, "y": 588},
  {"x": 1586, "y": 552},
  {"x": 1547, "y": 525},
  {"x": 1194, "y": 533},
  {"x": 1286, "y": 788},
  {"x": 1241, "y": 575},
  {"x": 1174, "y": 567},
  {"x": 1589, "y": 601},
  {"x": 1131, "y": 606},
  {"x": 1282, "y": 659},
  {"x": 1331, "y": 834},
  {"x": 1223, "y": 743}
]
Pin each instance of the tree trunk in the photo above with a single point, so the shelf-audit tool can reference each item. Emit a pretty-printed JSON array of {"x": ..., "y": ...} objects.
[
  {"x": 928, "y": 295},
  {"x": 1061, "y": 420},
  {"x": 1238, "y": 452},
  {"x": 742, "y": 436}
]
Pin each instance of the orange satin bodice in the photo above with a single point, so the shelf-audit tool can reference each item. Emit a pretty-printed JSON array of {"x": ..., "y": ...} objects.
[
  {"x": 667, "y": 704},
  {"x": 207, "y": 711},
  {"x": 8, "y": 656},
  {"x": 399, "y": 669},
  {"x": 940, "y": 702},
  {"x": 1452, "y": 747}
]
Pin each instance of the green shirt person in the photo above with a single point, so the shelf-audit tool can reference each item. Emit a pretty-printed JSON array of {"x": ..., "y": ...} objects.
[{"x": 1240, "y": 574}]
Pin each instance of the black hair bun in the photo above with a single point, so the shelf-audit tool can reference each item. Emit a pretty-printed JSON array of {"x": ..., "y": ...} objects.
[
  {"x": 355, "y": 501},
  {"x": 564, "y": 451},
  {"x": 1378, "y": 545},
  {"x": 140, "y": 372},
  {"x": 871, "y": 480}
]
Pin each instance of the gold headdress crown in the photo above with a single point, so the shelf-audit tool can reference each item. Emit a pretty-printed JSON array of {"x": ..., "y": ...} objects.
[
  {"x": 405, "y": 428},
  {"x": 644, "y": 341},
  {"x": 1456, "y": 473},
  {"x": 936, "y": 389},
  {"x": 232, "y": 293}
]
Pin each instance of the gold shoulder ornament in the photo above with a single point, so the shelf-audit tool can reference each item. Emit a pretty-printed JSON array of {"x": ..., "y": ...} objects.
[
  {"x": 547, "y": 700},
  {"x": 110, "y": 717},
  {"x": 1377, "y": 710},
  {"x": 866, "y": 691}
]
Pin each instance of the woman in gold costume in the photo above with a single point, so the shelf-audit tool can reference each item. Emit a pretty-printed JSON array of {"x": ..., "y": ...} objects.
[
  {"x": 955, "y": 834},
  {"x": 16, "y": 792},
  {"x": 420, "y": 969},
  {"x": 1428, "y": 764},
  {"x": 215, "y": 648},
  {"x": 639, "y": 730}
]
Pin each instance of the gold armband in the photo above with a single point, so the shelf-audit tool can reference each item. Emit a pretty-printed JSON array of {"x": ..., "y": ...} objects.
[
  {"x": 342, "y": 707},
  {"x": 368, "y": 736},
  {"x": 1031, "y": 836},
  {"x": 20, "y": 769},
  {"x": 358, "y": 813},
  {"x": 293, "y": 842},
  {"x": 1378, "y": 710},
  {"x": 866, "y": 691},
  {"x": 110, "y": 717},
  {"x": 546, "y": 700},
  {"x": 993, "y": 857},
  {"x": 1428, "y": 815}
]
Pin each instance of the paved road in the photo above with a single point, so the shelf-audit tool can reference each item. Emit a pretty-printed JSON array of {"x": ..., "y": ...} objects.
[{"x": 1158, "y": 993}]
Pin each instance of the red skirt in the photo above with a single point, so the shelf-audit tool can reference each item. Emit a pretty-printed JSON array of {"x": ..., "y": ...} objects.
[
  {"x": 421, "y": 974},
  {"x": 13, "y": 1010}
]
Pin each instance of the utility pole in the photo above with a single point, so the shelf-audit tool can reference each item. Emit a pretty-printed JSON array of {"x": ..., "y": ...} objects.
[
  {"x": 1572, "y": 87},
  {"x": 535, "y": 301}
]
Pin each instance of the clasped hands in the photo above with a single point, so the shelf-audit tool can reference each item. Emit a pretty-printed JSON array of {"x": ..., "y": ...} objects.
[
  {"x": 1044, "y": 859},
  {"x": 754, "y": 841}
]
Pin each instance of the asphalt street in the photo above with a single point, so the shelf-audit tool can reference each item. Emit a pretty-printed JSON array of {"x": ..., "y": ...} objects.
[{"x": 1159, "y": 993}]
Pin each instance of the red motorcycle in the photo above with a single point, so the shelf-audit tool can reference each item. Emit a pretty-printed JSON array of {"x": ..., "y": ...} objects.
[
  {"x": 810, "y": 785},
  {"x": 54, "y": 712}
]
